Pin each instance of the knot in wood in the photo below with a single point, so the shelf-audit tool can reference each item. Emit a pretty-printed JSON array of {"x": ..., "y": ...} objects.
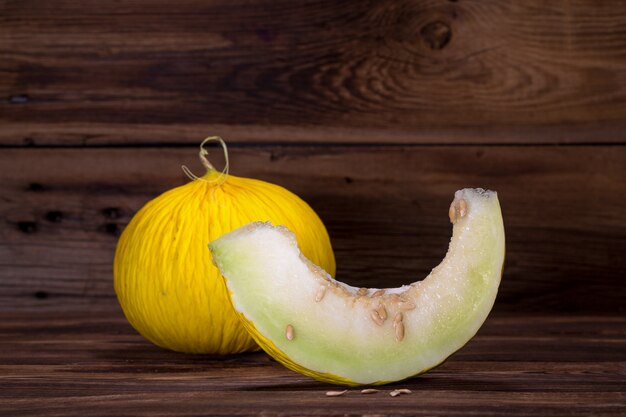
[
  {"x": 54, "y": 216},
  {"x": 27, "y": 227},
  {"x": 436, "y": 34},
  {"x": 111, "y": 212},
  {"x": 110, "y": 228}
]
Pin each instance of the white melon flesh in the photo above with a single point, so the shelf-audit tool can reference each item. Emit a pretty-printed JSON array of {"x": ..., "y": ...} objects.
[{"x": 338, "y": 333}]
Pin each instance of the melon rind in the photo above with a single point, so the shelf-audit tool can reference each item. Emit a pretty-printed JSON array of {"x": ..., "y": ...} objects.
[{"x": 272, "y": 285}]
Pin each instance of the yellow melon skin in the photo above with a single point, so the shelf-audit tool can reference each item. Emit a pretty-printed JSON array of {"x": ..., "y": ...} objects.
[{"x": 164, "y": 278}]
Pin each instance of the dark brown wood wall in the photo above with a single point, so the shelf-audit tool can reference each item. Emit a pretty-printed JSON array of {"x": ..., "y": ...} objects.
[
  {"x": 385, "y": 209},
  {"x": 538, "y": 89},
  {"x": 374, "y": 112},
  {"x": 492, "y": 71}
]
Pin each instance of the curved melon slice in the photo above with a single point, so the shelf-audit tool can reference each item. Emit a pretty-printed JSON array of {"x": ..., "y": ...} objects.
[{"x": 336, "y": 333}]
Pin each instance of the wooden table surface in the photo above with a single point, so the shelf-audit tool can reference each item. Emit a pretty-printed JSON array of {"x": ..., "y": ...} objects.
[
  {"x": 95, "y": 364},
  {"x": 374, "y": 113}
]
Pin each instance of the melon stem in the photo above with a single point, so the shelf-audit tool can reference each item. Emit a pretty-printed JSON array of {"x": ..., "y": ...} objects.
[{"x": 206, "y": 164}]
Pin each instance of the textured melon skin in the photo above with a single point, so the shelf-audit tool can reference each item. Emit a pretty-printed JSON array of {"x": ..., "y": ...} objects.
[
  {"x": 166, "y": 284},
  {"x": 272, "y": 285}
]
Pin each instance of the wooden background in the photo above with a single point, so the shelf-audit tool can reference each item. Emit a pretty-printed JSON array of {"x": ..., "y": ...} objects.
[{"x": 374, "y": 112}]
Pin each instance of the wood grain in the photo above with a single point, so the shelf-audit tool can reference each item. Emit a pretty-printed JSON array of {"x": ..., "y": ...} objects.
[
  {"x": 398, "y": 71},
  {"x": 95, "y": 364},
  {"x": 385, "y": 209},
  {"x": 351, "y": 105}
]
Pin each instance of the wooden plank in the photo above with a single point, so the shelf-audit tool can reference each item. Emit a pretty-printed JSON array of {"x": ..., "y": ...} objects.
[
  {"x": 95, "y": 364},
  {"x": 426, "y": 71},
  {"x": 289, "y": 403},
  {"x": 385, "y": 209}
]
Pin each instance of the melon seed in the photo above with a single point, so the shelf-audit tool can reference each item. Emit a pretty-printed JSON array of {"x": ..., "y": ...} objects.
[
  {"x": 458, "y": 209},
  {"x": 321, "y": 291},
  {"x": 462, "y": 208},
  {"x": 369, "y": 391},
  {"x": 382, "y": 312},
  {"x": 399, "y": 327},
  {"x": 375, "y": 315},
  {"x": 452, "y": 213},
  {"x": 398, "y": 318},
  {"x": 406, "y": 305},
  {"x": 394, "y": 298},
  {"x": 289, "y": 332},
  {"x": 361, "y": 292},
  {"x": 397, "y": 392},
  {"x": 399, "y": 331},
  {"x": 335, "y": 393}
]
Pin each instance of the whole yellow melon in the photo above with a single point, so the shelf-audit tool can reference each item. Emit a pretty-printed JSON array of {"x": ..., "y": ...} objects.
[{"x": 164, "y": 277}]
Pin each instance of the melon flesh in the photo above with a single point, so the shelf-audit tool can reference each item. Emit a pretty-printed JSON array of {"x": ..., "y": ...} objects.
[{"x": 336, "y": 333}]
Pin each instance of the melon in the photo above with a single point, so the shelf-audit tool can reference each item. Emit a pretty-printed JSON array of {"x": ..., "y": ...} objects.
[{"x": 337, "y": 333}]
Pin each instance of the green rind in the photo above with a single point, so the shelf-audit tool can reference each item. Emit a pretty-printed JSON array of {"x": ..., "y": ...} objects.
[{"x": 280, "y": 356}]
